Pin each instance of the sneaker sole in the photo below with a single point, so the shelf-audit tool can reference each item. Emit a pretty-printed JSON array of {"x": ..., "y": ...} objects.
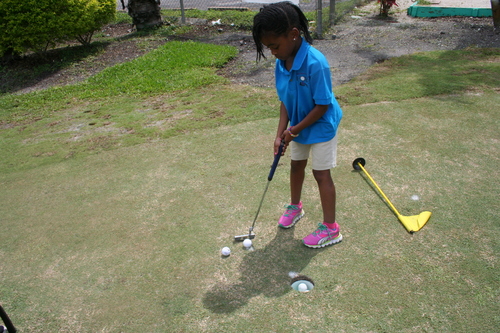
[
  {"x": 336, "y": 240},
  {"x": 295, "y": 220}
]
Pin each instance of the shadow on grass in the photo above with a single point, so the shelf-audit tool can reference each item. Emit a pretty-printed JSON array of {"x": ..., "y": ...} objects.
[
  {"x": 33, "y": 68},
  {"x": 263, "y": 272}
]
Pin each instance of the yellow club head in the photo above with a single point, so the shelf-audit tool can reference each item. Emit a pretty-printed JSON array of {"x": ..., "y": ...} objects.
[{"x": 416, "y": 222}]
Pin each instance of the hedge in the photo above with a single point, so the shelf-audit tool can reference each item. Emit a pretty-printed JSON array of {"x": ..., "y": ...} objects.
[{"x": 38, "y": 24}]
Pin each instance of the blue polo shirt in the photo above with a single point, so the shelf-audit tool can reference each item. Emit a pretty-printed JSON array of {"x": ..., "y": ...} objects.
[{"x": 307, "y": 84}]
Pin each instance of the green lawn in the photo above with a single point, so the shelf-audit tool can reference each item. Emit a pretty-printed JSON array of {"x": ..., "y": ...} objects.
[{"x": 117, "y": 226}]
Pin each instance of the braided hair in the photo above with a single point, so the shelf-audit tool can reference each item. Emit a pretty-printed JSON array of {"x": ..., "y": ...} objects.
[{"x": 278, "y": 18}]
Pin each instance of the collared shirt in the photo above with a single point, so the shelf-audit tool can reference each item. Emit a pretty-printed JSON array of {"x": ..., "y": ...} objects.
[{"x": 306, "y": 85}]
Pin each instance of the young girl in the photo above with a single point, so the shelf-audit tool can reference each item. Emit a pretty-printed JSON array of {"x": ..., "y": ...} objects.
[{"x": 309, "y": 112}]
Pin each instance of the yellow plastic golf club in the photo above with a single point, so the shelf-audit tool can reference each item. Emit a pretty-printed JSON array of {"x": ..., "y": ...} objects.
[{"x": 411, "y": 223}]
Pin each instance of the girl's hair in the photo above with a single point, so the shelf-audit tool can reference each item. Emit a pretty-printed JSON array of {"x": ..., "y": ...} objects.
[{"x": 278, "y": 18}]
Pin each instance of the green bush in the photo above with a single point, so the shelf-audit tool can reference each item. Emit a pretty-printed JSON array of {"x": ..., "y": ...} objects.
[
  {"x": 37, "y": 24},
  {"x": 92, "y": 14}
]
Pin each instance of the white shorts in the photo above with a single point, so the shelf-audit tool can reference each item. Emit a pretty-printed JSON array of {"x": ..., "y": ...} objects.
[{"x": 323, "y": 154}]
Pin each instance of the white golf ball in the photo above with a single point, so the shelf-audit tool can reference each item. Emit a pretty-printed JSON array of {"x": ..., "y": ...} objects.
[
  {"x": 414, "y": 197},
  {"x": 247, "y": 243},
  {"x": 302, "y": 287},
  {"x": 226, "y": 251}
]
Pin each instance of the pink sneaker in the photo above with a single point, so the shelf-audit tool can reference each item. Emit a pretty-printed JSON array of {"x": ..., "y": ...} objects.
[
  {"x": 291, "y": 216},
  {"x": 323, "y": 236}
]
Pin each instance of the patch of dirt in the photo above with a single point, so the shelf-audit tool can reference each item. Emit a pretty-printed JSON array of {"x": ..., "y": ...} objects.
[
  {"x": 361, "y": 40},
  {"x": 355, "y": 44}
]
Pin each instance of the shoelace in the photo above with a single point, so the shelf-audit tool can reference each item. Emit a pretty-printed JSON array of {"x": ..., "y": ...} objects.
[
  {"x": 290, "y": 209},
  {"x": 322, "y": 227}
]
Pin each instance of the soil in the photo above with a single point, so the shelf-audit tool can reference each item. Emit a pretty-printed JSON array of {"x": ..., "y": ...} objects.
[
  {"x": 352, "y": 46},
  {"x": 361, "y": 40}
]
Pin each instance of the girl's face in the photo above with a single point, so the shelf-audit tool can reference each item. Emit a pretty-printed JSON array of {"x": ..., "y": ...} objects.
[{"x": 284, "y": 46}]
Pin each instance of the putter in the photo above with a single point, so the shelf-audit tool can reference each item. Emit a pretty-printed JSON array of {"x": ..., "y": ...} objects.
[
  {"x": 6, "y": 320},
  {"x": 412, "y": 223},
  {"x": 251, "y": 234}
]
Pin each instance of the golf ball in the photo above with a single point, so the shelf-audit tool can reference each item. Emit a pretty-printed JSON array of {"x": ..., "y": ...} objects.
[
  {"x": 302, "y": 287},
  {"x": 414, "y": 197},
  {"x": 247, "y": 243},
  {"x": 226, "y": 251}
]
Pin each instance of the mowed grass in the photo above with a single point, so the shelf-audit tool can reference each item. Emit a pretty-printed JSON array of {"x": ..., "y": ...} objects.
[
  {"x": 153, "y": 97},
  {"x": 127, "y": 237}
]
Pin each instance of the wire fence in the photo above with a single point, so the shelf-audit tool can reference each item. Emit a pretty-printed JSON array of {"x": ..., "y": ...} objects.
[
  {"x": 325, "y": 9},
  {"x": 305, "y": 5}
]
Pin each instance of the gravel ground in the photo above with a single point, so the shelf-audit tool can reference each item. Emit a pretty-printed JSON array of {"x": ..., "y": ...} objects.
[{"x": 364, "y": 39}]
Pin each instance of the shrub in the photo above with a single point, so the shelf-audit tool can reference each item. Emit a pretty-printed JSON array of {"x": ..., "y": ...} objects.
[
  {"x": 92, "y": 14},
  {"x": 37, "y": 24},
  {"x": 385, "y": 6}
]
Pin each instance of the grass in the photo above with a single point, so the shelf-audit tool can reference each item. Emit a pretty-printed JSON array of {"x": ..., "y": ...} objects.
[
  {"x": 244, "y": 19},
  {"x": 173, "y": 66},
  {"x": 104, "y": 108},
  {"x": 426, "y": 74},
  {"x": 239, "y": 19},
  {"x": 118, "y": 226},
  {"x": 93, "y": 126}
]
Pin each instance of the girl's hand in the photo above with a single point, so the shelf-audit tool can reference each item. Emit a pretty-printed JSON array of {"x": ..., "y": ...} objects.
[
  {"x": 287, "y": 137},
  {"x": 277, "y": 143}
]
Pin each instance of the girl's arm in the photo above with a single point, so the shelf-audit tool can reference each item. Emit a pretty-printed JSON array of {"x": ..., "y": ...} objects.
[
  {"x": 316, "y": 113},
  {"x": 282, "y": 126}
]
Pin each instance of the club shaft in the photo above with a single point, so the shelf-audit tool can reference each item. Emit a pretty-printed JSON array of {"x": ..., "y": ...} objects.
[
  {"x": 260, "y": 205},
  {"x": 5, "y": 318},
  {"x": 378, "y": 188},
  {"x": 269, "y": 178}
]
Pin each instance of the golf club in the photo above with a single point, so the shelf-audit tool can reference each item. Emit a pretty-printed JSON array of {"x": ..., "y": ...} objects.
[
  {"x": 412, "y": 223},
  {"x": 251, "y": 234},
  {"x": 6, "y": 320}
]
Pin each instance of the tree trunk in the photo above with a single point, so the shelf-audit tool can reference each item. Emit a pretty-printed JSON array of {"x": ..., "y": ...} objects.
[
  {"x": 495, "y": 9},
  {"x": 145, "y": 13}
]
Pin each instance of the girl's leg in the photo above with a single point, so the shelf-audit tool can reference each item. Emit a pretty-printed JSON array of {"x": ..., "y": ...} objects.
[
  {"x": 294, "y": 212},
  {"x": 328, "y": 232},
  {"x": 297, "y": 174},
  {"x": 327, "y": 194}
]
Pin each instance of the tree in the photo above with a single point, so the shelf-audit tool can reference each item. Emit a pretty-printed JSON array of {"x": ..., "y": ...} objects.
[
  {"x": 145, "y": 13},
  {"x": 35, "y": 25}
]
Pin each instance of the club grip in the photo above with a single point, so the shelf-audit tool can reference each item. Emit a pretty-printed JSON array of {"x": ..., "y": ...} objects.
[{"x": 276, "y": 160}]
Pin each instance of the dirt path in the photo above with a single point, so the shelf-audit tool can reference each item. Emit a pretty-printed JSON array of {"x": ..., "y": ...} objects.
[{"x": 363, "y": 39}]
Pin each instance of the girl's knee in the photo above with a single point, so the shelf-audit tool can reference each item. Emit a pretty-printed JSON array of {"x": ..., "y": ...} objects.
[
  {"x": 322, "y": 175},
  {"x": 298, "y": 166}
]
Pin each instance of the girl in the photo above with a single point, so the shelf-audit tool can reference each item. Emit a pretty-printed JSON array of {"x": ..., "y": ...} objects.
[{"x": 309, "y": 112}]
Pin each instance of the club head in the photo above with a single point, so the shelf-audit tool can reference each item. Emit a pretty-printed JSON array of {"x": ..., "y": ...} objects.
[
  {"x": 416, "y": 222},
  {"x": 241, "y": 238}
]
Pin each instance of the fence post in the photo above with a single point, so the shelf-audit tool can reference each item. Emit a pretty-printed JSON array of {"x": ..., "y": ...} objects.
[
  {"x": 183, "y": 16},
  {"x": 332, "y": 13},
  {"x": 319, "y": 20}
]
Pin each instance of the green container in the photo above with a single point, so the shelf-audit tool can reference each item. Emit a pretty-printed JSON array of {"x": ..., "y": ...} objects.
[{"x": 435, "y": 11}]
